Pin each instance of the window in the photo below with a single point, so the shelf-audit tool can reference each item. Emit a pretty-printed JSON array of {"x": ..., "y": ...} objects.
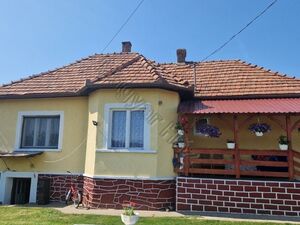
[
  {"x": 39, "y": 130},
  {"x": 199, "y": 122},
  {"x": 126, "y": 127}
]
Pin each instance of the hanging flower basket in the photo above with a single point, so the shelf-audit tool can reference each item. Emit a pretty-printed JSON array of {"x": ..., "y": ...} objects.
[
  {"x": 208, "y": 130},
  {"x": 259, "y": 128},
  {"x": 259, "y": 134},
  {"x": 180, "y": 132},
  {"x": 181, "y": 143}
]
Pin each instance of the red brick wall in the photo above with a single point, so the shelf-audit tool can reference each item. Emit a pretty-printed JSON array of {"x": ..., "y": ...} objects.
[
  {"x": 238, "y": 196},
  {"x": 60, "y": 184},
  {"x": 114, "y": 193}
]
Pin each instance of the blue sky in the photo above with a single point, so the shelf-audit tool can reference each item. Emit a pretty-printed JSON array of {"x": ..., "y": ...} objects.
[{"x": 37, "y": 36}]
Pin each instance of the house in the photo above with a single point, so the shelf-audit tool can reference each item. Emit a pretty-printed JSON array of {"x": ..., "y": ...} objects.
[{"x": 107, "y": 124}]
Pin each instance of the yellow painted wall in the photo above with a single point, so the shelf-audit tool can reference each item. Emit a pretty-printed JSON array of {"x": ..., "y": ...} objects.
[
  {"x": 163, "y": 117},
  {"x": 81, "y": 138},
  {"x": 72, "y": 155}
]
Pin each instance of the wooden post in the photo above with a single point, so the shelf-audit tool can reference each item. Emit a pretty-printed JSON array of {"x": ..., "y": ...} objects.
[
  {"x": 186, "y": 161},
  {"x": 236, "y": 149},
  {"x": 186, "y": 150},
  {"x": 290, "y": 149}
]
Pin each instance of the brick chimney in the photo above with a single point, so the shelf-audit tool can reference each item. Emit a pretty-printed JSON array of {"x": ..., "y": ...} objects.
[
  {"x": 126, "y": 46},
  {"x": 181, "y": 54}
]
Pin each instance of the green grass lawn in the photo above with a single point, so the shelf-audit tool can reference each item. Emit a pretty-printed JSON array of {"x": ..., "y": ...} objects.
[{"x": 47, "y": 216}]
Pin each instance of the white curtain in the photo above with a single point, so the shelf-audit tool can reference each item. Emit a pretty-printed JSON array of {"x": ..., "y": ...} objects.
[
  {"x": 118, "y": 129},
  {"x": 28, "y": 132},
  {"x": 54, "y": 132},
  {"x": 40, "y": 132},
  {"x": 137, "y": 129}
]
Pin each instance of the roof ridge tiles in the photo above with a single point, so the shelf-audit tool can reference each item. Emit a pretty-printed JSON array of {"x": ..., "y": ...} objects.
[
  {"x": 275, "y": 73},
  {"x": 116, "y": 69}
]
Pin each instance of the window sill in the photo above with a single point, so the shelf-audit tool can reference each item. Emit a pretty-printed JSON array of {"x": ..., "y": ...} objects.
[
  {"x": 127, "y": 151},
  {"x": 38, "y": 150}
]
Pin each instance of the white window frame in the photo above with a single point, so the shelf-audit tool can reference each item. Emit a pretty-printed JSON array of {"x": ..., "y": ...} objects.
[
  {"x": 108, "y": 109},
  {"x": 19, "y": 130}
]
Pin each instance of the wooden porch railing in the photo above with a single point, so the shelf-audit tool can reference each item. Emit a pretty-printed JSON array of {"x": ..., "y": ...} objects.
[{"x": 227, "y": 165}]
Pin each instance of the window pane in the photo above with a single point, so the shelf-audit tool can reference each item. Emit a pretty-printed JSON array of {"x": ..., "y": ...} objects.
[
  {"x": 41, "y": 134},
  {"x": 28, "y": 131},
  {"x": 54, "y": 132},
  {"x": 118, "y": 129},
  {"x": 137, "y": 129}
]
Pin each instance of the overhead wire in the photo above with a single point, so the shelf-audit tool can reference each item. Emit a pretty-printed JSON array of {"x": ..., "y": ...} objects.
[{"x": 240, "y": 31}]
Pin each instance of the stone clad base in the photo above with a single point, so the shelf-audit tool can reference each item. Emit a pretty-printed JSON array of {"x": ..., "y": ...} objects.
[
  {"x": 114, "y": 193},
  {"x": 60, "y": 184},
  {"x": 238, "y": 196}
]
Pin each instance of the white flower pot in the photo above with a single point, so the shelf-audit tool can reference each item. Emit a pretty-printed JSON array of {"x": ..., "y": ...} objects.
[
  {"x": 259, "y": 134},
  {"x": 283, "y": 147},
  {"x": 181, "y": 144},
  {"x": 130, "y": 220},
  {"x": 181, "y": 163},
  {"x": 180, "y": 132},
  {"x": 230, "y": 145}
]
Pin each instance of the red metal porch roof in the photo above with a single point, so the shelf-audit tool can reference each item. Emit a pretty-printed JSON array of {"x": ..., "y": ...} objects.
[{"x": 283, "y": 105}]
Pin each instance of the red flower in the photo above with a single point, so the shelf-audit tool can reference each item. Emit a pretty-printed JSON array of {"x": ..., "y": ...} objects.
[
  {"x": 184, "y": 122},
  {"x": 132, "y": 204}
]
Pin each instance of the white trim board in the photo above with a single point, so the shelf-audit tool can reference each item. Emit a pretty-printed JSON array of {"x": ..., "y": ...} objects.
[
  {"x": 129, "y": 177},
  {"x": 38, "y": 113},
  {"x": 59, "y": 173},
  {"x": 126, "y": 151}
]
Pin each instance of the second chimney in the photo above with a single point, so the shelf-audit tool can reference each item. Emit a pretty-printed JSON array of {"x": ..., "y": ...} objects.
[
  {"x": 126, "y": 46},
  {"x": 181, "y": 54}
]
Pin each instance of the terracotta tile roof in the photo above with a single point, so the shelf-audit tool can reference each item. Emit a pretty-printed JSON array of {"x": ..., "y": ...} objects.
[
  {"x": 68, "y": 79},
  {"x": 233, "y": 78},
  {"x": 111, "y": 69},
  {"x": 140, "y": 70},
  {"x": 214, "y": 79}
]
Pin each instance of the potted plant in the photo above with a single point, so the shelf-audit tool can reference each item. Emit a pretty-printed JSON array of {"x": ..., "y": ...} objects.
[
  {"x": 259, "y": 128},
  {"x": 179, "y": 128},
  {"x": 181, "y": 143},
  {"x": 129, "y": 217},
  {"x": 230, "y": 144},
  {"x": 208, "y": 130},
  {"x": 283, "y": 142}
]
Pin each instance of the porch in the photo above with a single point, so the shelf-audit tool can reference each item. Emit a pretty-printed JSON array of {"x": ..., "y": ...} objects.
[{"x": 251, "y": 156}]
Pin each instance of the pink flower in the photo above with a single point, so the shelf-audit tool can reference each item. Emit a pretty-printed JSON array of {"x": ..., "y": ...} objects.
[{"x": 132, "y": 204}]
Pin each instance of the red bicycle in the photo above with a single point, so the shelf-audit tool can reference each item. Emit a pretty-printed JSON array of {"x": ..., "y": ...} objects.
[{"x": 73, "y": 194}]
